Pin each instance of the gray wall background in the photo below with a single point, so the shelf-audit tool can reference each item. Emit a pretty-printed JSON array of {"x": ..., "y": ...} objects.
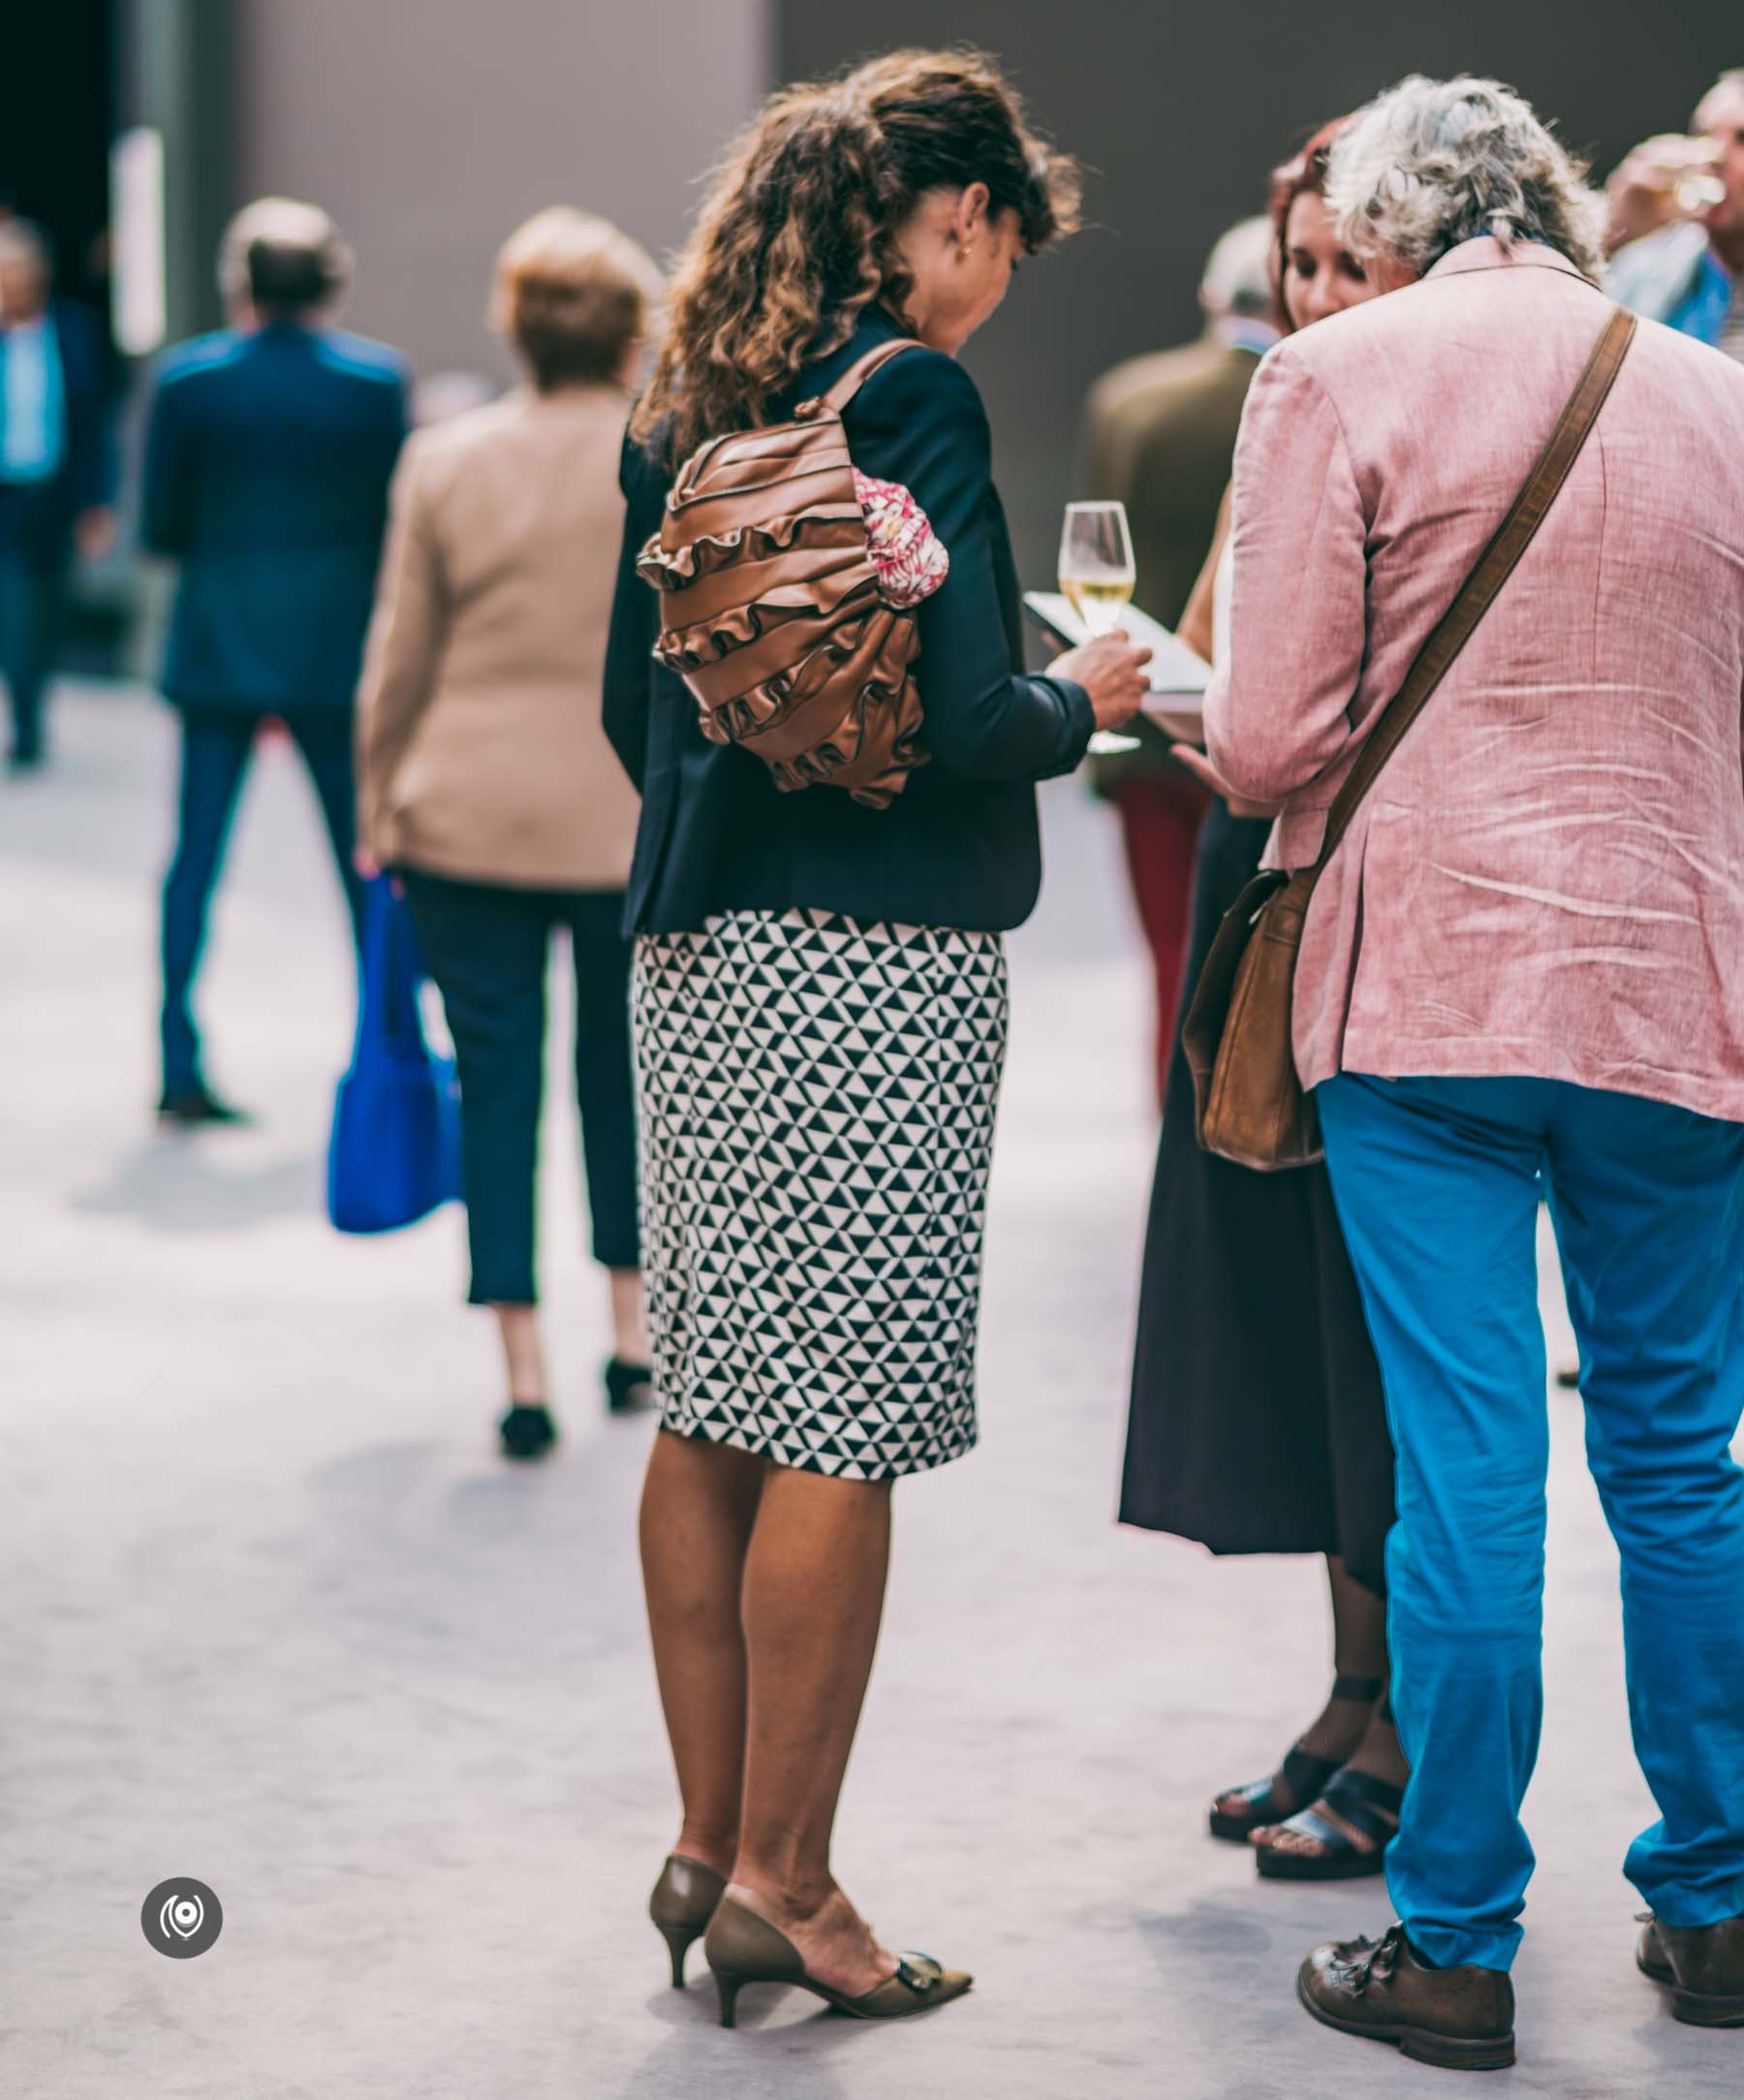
[
  {"x": 429, "y": 128},
  {"x": 1181, "y": 110}
]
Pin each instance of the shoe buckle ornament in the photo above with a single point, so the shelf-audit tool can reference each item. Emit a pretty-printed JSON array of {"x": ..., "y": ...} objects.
[
  {"x": 919, "y": 1980},
  {"x": 1368, "y": 1960}
]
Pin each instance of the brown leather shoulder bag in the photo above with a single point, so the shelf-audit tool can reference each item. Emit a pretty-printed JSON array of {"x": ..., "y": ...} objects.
[
  {"x": 1250, "y": 1104},
  {"x": 769, "y": 605}
]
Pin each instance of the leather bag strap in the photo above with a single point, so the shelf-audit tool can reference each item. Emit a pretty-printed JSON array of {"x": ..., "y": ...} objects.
[
  {"x": 857, "y": 374},
  {"x": 1494, "y": 566}
]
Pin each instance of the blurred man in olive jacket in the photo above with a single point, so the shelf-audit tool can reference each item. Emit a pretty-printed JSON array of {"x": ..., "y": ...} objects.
[{"x": 1159, "y": 436}]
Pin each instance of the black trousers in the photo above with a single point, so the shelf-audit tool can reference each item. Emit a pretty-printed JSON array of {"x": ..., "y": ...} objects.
[{"x": 486, "y": 946}]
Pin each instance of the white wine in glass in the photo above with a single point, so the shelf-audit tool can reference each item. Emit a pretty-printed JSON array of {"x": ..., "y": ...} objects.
[{"x": 1097, "y": 575}]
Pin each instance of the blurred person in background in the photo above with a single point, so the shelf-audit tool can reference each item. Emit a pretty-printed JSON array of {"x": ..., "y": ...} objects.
[
  {"x": 1258, "y": 1423},
  {"x": 1159, "y": 434},
  {"x": 485, "y": 781},
  {"x": 1676, "y": 230},
  {"x": 57, "y": 472},
  {"x": 1519, "y": 973},
  {"x": 268, "y": 453},
  {"x": 820, "y": 993}
]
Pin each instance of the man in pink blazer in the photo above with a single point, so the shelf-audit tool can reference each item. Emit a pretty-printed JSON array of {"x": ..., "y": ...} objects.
[{"x": 1523, "y": 970}]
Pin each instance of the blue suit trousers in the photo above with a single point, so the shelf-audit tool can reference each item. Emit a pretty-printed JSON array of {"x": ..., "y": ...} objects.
[
  {"x": 216, "y": 749},
  {"x": 1437, "y": 1184}
]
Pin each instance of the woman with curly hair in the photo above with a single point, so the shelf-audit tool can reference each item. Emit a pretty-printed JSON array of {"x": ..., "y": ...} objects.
[{"x": 820, "y": 993}]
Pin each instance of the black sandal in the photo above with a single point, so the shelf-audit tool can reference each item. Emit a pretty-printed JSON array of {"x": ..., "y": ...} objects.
[
  {"x": 1353, "y": 1823},
  {"x": 1299, "y": 1782}
]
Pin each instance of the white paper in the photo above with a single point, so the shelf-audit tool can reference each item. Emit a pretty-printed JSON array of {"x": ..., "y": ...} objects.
[{"x": 1174, "y": 670}]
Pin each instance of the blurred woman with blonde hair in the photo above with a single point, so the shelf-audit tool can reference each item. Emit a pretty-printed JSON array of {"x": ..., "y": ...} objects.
[{"x": 485, "y": 781}]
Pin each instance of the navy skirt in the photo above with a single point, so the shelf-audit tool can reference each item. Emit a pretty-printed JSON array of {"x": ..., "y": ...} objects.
[{"x": 1257, "y": 1422}]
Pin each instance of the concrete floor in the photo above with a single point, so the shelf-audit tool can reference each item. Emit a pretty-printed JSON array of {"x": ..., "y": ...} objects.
[{"x": 275, "y": 1616}]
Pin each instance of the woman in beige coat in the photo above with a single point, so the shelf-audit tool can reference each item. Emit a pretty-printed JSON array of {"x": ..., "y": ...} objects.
[{"x": 485, "y": 780}]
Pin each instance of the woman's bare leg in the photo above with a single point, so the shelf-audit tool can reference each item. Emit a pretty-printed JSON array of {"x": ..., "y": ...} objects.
[
  {"x": 1359, "y": 1650},
  {"x": 698, "y": 1506},
  {"x": 812, "y": 1598},
  {"x": 629, "y": 1316},
  {"x": 524, "y": 1356},
  {"x": 1360, "y": 1646}
]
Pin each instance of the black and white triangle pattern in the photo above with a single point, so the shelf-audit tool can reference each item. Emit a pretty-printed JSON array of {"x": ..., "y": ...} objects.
[{"x": 817, "y": 1102}]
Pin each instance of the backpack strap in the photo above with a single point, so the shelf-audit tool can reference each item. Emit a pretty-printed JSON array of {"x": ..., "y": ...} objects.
[{"x": 855, "y": 378}]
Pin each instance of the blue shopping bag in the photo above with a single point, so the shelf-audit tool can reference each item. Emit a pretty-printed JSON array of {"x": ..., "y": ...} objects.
[{"x": 395, "y": 1153}]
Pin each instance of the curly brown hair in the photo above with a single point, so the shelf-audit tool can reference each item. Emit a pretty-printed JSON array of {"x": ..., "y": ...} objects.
[{"x": 801, "y": 229}]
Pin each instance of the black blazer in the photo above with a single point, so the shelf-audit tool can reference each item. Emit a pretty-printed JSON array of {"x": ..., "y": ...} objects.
[{"x": 960, "y": 846}]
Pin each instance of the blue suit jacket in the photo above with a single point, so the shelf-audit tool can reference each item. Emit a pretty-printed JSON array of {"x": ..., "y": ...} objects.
[
  {"x": 39, "y": 515},
  {"x": 267, "y": 462}
]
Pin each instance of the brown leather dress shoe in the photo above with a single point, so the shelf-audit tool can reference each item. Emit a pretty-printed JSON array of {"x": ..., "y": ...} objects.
[
  {"x": 1704, "y": 1964},
  {"x": 1461, "y": 2020}
]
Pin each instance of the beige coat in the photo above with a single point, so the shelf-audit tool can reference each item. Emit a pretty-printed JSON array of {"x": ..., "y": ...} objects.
[{"x": 479, "y": 748}]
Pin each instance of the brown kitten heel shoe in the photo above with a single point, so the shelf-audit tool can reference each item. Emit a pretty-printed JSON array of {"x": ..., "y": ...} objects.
[
  {"x": 1704, "y": 1964},
  {"x": 683, "y": 1901},
  {"x": 743, "y": 1948},
  {"x": 1460, "y": 2019}
]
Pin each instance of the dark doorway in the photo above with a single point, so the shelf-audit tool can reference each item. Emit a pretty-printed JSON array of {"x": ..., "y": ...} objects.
[{"x": 55, "y": 141}]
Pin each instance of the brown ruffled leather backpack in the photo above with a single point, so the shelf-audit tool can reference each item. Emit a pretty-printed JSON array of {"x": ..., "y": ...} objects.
[{"x": 771, "y": 610}]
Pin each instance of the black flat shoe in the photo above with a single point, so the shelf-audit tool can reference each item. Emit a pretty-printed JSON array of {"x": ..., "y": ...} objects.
[
  {"x": 1299, "y": 1780},
  {"x": 191, "y": 1107},
  {"x": 527, "y": 1433},
  {"x": 1343, "y": 1834},
  {"x": 629, "y": 1388}
]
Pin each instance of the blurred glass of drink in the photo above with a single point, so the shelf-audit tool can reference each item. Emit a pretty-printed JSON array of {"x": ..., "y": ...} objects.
[
  {"x": 1097, "y": 575},
  {"x": 1689, "y": 174}
]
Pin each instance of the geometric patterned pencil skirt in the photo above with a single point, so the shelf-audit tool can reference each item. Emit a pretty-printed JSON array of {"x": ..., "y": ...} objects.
[{"x": 817, "y": 1100}]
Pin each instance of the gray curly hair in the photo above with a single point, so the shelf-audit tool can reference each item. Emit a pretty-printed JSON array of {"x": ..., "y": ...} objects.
[{"x": 1432, "y": 163}]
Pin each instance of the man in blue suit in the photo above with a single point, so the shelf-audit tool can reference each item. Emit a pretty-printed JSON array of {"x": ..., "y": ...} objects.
[
  {"x": 55, "y": 472},
  {"x": 269, "y": 451}
]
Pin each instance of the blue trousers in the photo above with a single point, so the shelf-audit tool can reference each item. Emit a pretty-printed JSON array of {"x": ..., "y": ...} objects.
[
  {"x": 216, "y": 749},
  {"x": 31, "y": 597},
  {"x": 1437, "y": 1184}
]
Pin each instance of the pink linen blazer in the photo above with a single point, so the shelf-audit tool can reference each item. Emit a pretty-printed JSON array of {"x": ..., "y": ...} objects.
[{"x": 1548, "y": 876}]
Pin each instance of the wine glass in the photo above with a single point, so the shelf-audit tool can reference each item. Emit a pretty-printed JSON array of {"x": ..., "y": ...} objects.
[
  {"x": 1097, "y": 573},
  {"x": 1691, "y": 177}
]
